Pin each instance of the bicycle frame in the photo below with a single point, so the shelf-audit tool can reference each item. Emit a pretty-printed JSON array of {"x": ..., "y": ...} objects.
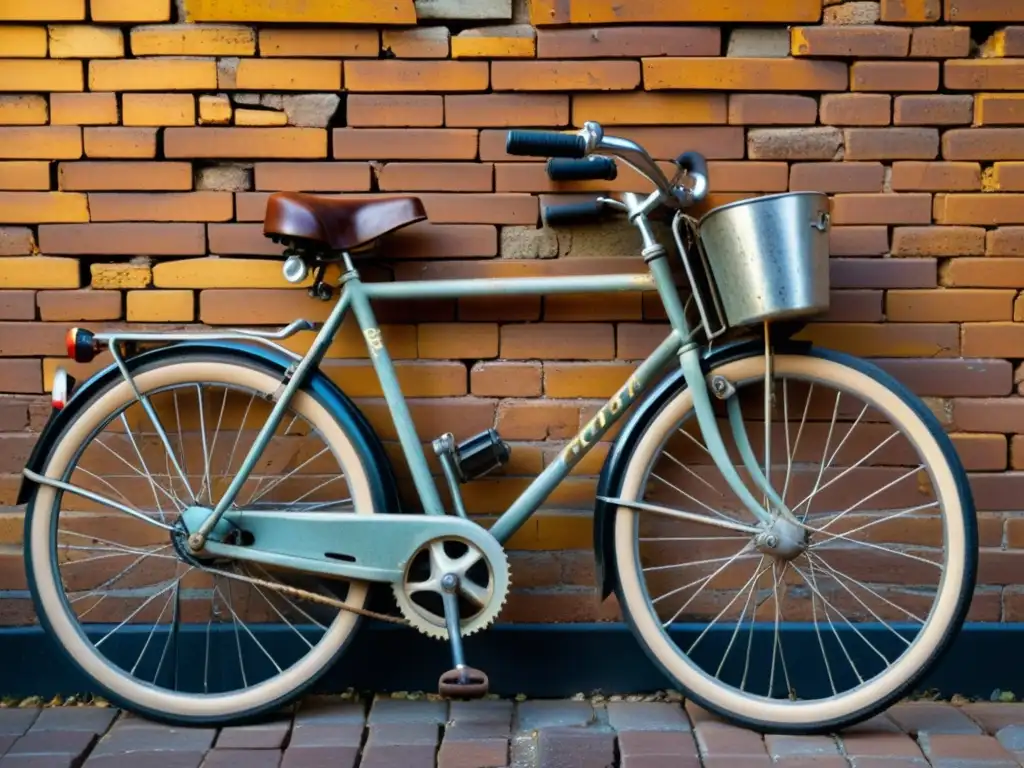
[{"x": 356, "y": 295}]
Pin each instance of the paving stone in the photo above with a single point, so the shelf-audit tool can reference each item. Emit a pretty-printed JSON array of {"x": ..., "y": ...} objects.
[
  {"x": 800, "y": 746},
  {"x": 574, "y": 747},
  {"x": 92, "y": 719},
  {"x": 881, "y": 744},
  {"x": 647, "y": 716},
  {"x": 389, "y": 711},
  {"x": 552, "y": 713},
  {"x": 330, "y": 712},
  {"x": 480, "y": 711},
  {"x": 242, "y": 758},
  {"x": 1011, "y": 737},
  {"x": 916, "y": 717},
  {"x": 679, "y": 745},
  {"x": 259, "y": 736},
  {"x": 341, "y": 735},
  {"x": 39, "y": 761},
  {"x": 163, "y": 759},
  {"x": 5, "y": 743},
  {"x": 993, "y": 716},
  {"x": 721, "y": 740},
  {"x": 14, "y": 722},
  {"x": 888, "y": 762},
  {"x": 403, "y": 734},
  {"x": 154, "y": 738},
  {"x": 877, "y": 724},
  {"x": 320, "y": 757},
  {"x": 480, "y": 752},
  {"x": 398, "y": 756},
  {"x": 734, "y": 761},
  {"x": 53, "y": 743},
  {"x": 949, "y": 750},
  {"x": 829, "y": 761}
]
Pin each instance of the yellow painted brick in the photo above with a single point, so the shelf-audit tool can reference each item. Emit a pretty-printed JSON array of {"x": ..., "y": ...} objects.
[
  {"x": 42, "y": 10},
  {"x": 288, "y": 75},
  {"x": 342, "y": 43},
  {"x": 23, "y": 110},
  {"x": 214, "y": 110},
  {"x": 25, "y": 174},
  {"x": 998, "y": 108},
  {"x": 518, "y": 42},
  {"x": 44, "y": 142},
  {"x": 130, "y": 10},
  {"x": 43, "y": 207},
  {"x": 152, "y": 75},
  {"x": 705, "y": 72},
  {"x": 745, "y": 11},
  {"x": 86, "y": 42},
  {"x": 23, "y": 42},
  {"x": 39, "y": 272},
  {"x": 155, "y": 109},
  {"x": 41, "y": 75},
  {"x": 193, "y": 40},
  {"x": 269, "y": 117},
  {"x": 83, "y": 109},
  {"x": 225, "y": 273},
  {"x": 308, "y": 11},
  {"x": 161, "y": 306},
  {"x": 120, "y": 276}
]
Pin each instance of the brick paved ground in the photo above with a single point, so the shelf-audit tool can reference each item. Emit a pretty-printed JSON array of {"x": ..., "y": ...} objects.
[{"x": 336, "y": 733}]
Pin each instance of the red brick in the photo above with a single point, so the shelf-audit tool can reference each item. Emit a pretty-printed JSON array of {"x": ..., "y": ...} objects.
[
  {"x": 999, "y": 109},
  {"x": 885, "y": 273},
  {"x": 174, "y": 206},
  {"x": 943, "y": 305},
  {"x": 940, "y": 42},
  {"x": 987, "y": 272},
  {"x": 405, "y": 75},
  {"x": 983, "y": 144},
  {"x": 836, "y": 177},
  {"x": 894, "y": 76},
  {"x": 918, "y": 176},
  {"x": 911, "y": 11},
  {"x": 979, "y": 209},
  {"x": 505, "y": 379},
  {"x": 858, "y": 241},
  {"x": 738, "y": 74},
  {"x": 427, "y": 240},
  {"x": 856, "y": 109},
  {"x": 983, "y": 74},
  {"x": 17, "y": 305},
  {"x": 123, "y": 239},
  {"x": 120, "y": 142},
  {"x": 506, "y": 109},
  {"x": 40, "y": 143},
  {"x": 887, "y": 339},
  {"x": 433, "y": 177},
  {"x": 312, "y": 177},
  {"x": 891, "y": 143},
  {"x": 21, "y": 376},
  {"x": 999, "y": 415},
  {"x": 593, "y": 307},
  {"x": 592, "y": 75},
  {"x": 851, "y": 41},
  {"x": 449, "y": 341},
  {"x": 982, "y": 10},
  {"x": 992, "y": 340},
  {"x": 417, "y": 42},
  {"x": 82, "y": 304},
  {"x": 1008, "y": 177},
  {"x": 746, "y": 176},
  {"x": 933, "y": 110},
  {"x": 1005, "y": 241},
  {"x": 597, "y": 42},
  {"x": 938, "y": 241},
  {"x": 667, "y": 143},
  {"x": 109, "y": 176},
  {"x": 908, "y": 208},
  {"x": 245, "y": 143},
  {"x": 558, "y": 341},
  {"x": 25, "y": 175},
  {"x": 772, "y": 109},
  {"x": 404, "y": 144},
  {"x": 373, "y": 110}
]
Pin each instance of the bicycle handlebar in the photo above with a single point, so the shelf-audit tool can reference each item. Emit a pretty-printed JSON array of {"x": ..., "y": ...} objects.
[{"x": 591, "y": 140}]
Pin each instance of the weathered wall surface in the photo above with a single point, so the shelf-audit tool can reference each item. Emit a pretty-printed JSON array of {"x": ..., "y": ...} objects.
[{"x": 139, "y": 141}]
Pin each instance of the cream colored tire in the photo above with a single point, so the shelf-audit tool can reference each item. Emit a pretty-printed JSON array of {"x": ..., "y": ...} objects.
[
  {"x": 60, "y": 621},
  {"x": 905, "y": 411}
]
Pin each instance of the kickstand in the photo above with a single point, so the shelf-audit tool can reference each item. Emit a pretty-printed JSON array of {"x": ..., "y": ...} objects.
[{"x": 461, "y": 681}]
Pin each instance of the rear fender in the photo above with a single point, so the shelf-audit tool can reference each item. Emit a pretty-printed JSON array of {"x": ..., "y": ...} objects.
[{"x": 378, "y": 466}]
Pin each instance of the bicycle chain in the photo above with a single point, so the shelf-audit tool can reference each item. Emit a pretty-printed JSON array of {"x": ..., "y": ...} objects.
[{"x": 303, "y": 594}]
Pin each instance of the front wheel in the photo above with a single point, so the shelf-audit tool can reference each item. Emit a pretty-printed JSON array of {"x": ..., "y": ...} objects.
[
  {"x": 820, "y": 635},
  {"x": 165, "y": 634}
]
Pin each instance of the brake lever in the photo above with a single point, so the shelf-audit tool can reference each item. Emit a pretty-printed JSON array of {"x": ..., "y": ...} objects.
[{"x": 611, "y": 202}]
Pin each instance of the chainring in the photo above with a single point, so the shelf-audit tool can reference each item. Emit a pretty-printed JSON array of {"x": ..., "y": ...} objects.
[{"x": 418, "y": 594}]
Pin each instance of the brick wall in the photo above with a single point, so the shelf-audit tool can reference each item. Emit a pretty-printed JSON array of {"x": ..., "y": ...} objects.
[{"x": 139, "y": 141}]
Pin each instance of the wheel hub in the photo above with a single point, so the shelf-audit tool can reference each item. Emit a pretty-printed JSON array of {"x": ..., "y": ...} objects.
[{"x": 783, "y": 539}]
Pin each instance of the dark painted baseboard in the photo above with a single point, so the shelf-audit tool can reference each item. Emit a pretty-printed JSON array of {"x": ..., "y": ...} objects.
[{"x": 544, "y": 660}]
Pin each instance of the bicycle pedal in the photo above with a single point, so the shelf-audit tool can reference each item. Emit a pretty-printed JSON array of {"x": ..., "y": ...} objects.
[
  {"x": 463, "y": 683},
  {"x": 475, "y": 456}
]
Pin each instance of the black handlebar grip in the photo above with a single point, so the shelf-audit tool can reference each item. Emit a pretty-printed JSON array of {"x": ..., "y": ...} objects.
[
  {"x": 573, "y": 212},
  {"x": 693, "y": 162},
  {"x": 545, "y": 144},
  {"x": 561, "y": 169}
]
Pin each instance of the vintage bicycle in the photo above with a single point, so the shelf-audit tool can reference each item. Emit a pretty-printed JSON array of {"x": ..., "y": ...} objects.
[{"x": 207, "y": 513}]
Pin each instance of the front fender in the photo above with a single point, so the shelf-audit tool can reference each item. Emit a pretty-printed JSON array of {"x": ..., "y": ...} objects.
[
  {"x": 610, "y": 481},
  {"x": 365, "y": 441}
]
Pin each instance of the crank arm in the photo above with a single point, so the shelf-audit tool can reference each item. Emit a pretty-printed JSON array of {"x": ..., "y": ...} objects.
[{"x": 679, "y": 514}]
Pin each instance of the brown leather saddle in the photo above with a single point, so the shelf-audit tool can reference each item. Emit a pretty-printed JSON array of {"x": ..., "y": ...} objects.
[{"x": 328, "y": 224}]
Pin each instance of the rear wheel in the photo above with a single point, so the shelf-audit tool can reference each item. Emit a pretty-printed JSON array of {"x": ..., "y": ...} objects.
[
  {"x": 161, "y": 632},
  {"x": 827, "y": 632}
]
